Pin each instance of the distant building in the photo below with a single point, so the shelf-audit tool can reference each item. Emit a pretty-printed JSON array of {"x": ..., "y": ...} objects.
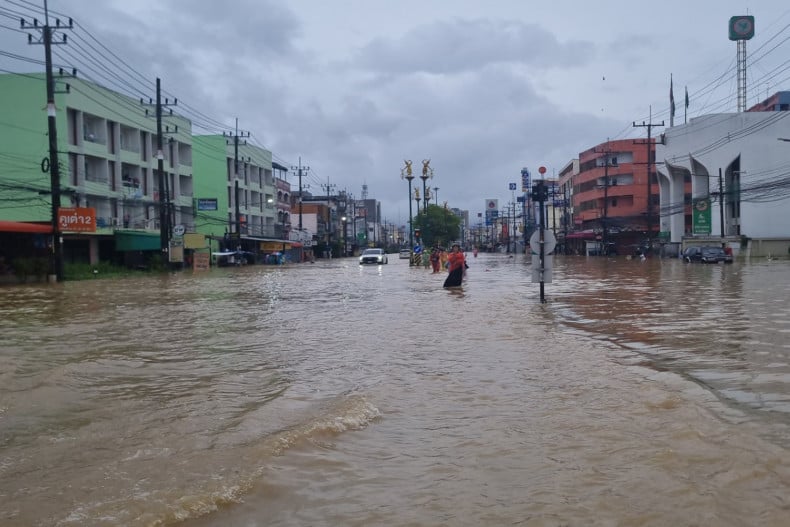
[
  {"x": 606, "y": 191},
  {"x": 778, "y": 102},
  {"x": 242, "y": 183},
  {"x": 283, "y": 201}
]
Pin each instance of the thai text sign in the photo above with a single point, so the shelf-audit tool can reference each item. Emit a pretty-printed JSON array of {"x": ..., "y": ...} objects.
[
  {"x": 77, "y": 219},
  {"x": 201, "y": 261},
  {"x": 700, "y": 216},
  {"x": 207, "y": 204}
]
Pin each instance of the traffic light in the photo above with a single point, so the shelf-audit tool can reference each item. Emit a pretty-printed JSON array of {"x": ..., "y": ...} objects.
[
  {"x": 417, "y": 235},
  {"x": 540, "y": 192}
]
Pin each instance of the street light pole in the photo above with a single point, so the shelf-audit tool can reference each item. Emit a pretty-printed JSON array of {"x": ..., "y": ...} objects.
[
  {"x": 406, "y": 173},
  {"x": 427, "y": 172},
  {"x": 345, "y": 235}
]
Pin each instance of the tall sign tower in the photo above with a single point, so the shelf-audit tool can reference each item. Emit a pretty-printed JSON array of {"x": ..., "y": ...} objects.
[{"x": 741, "y": 29}]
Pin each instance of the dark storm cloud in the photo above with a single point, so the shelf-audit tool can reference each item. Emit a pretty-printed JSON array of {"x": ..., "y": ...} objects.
[
  {"x": 462, "y": 45},
  {"x": 479, "y": 128},
  {"x": 461, "y": 92}
]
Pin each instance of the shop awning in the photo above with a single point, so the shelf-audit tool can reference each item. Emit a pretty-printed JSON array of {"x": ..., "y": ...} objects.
[
  {"x": 137, "y": 241},
  {"x": 21, "y": 226},
  {"x": 581, "y": 235}
]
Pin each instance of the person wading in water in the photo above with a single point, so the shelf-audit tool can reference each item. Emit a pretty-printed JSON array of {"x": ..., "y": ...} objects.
[{"x": 457, "y": 265}]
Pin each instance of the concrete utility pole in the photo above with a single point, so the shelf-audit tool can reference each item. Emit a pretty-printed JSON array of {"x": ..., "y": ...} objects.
[
  {"x": 300, "y": 170},
  {"x": 328, "y": 188},
  {"x": 45, "y": 38},
  {"x": 721, "y": 210},
  {"x": 165, "y": 227},
  {"x": 605, "y": 222},
  {"x": 235, "y": 136},
  {"x": 650, "y": 160},
  {"x": 164, "y": 199}
]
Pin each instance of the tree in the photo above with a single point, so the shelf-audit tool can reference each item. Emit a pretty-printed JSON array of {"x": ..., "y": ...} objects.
[{"x": 438, "y": 226}]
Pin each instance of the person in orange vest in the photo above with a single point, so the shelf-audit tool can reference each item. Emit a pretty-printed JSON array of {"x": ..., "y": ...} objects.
[{"x": 456, "y": 267}]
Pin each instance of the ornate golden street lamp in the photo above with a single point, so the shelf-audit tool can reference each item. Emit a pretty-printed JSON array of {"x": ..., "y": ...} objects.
[
  {"x": 406, "y": 173},
  {"x": 427, "y": 173}
]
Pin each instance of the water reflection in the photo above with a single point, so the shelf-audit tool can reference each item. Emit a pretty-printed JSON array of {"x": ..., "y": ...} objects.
[{"x": 720, "y": 325}]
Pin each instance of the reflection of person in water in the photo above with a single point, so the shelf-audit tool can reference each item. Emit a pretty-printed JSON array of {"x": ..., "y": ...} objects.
[{"x": 457, "y": 265}]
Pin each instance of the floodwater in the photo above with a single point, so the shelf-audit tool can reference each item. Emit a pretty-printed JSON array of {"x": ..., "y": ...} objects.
[{"x": 640, "y": 394}]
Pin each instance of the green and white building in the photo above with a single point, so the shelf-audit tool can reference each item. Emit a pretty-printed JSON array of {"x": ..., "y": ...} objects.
[{"x": 107, "y": 147}]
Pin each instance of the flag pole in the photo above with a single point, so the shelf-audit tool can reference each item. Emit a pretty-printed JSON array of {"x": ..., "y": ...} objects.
[{"x": 671, "y": 104}]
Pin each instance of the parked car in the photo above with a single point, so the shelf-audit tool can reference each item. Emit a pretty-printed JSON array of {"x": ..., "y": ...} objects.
[
  {"x": 404, "y": 254},
  {"x": 373, "y": 256},
  {"x": 706, "y": 255}
]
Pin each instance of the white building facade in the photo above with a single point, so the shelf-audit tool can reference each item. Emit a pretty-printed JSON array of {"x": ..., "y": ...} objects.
[{"x": 736, "y": 165}]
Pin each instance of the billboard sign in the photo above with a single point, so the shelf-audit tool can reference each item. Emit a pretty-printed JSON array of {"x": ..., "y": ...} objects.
[
  {"x": 701, "y": 220},
  {"x": 525, "y": 179},
  {"x": 77, "y": 219}
]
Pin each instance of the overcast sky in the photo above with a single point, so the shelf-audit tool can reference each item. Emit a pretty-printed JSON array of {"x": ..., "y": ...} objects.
[{"x": 481, "y": 88}]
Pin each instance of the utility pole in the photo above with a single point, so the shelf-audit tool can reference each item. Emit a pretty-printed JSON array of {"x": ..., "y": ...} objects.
[
  {"x": 235, "y": 137},
  {"x": 514, "y": 235},
  {"x": 46, "y": 34},
  {"x": 165, "y": 228},
  {"x": 436, "y": 195},
  {"x": 300, "y": 170},
  {"x": 554, "y": 208},
  {"x": 721, "y": 209},
  {"x": 605, "y": 222},
  {"x": 328, "y": 189},
  {"x": 650, "y": 159}
]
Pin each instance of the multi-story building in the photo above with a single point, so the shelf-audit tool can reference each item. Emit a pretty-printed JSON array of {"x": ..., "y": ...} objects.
[
  {"x": 239, "y": 176},
  {"x": 737, "y": 170},
  {"x": 283, "y": 225},
  {"x": 613, "y": 202},
  {"x": 108, "y": 159},
  {"x": 566, "y": 234}
]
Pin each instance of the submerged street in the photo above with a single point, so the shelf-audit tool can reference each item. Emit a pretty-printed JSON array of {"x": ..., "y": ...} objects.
[{"x": 641, "y": 393}]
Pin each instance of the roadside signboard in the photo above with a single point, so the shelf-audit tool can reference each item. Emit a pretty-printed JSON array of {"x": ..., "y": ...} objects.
[
  {"x": 701, "y": 220},
  {"x": 201, "y": 261},
  {"x": 77, "y": 219},
  {"x": 207, "y": 204},
  {"x": 549, "y": 242}
]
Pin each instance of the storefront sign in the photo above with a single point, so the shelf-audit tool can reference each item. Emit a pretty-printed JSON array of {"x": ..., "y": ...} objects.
[
  {"x": 77, "y": 219},
  {"x": 701, "y": 223},
  {"x": 207, "y": 204}
]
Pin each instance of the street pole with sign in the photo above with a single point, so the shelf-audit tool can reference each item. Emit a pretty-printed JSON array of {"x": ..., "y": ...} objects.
[{"x": 544, "y": 239}]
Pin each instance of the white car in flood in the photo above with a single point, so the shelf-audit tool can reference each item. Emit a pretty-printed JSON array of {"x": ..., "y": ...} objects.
[{"x": 373, "y": 256}]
